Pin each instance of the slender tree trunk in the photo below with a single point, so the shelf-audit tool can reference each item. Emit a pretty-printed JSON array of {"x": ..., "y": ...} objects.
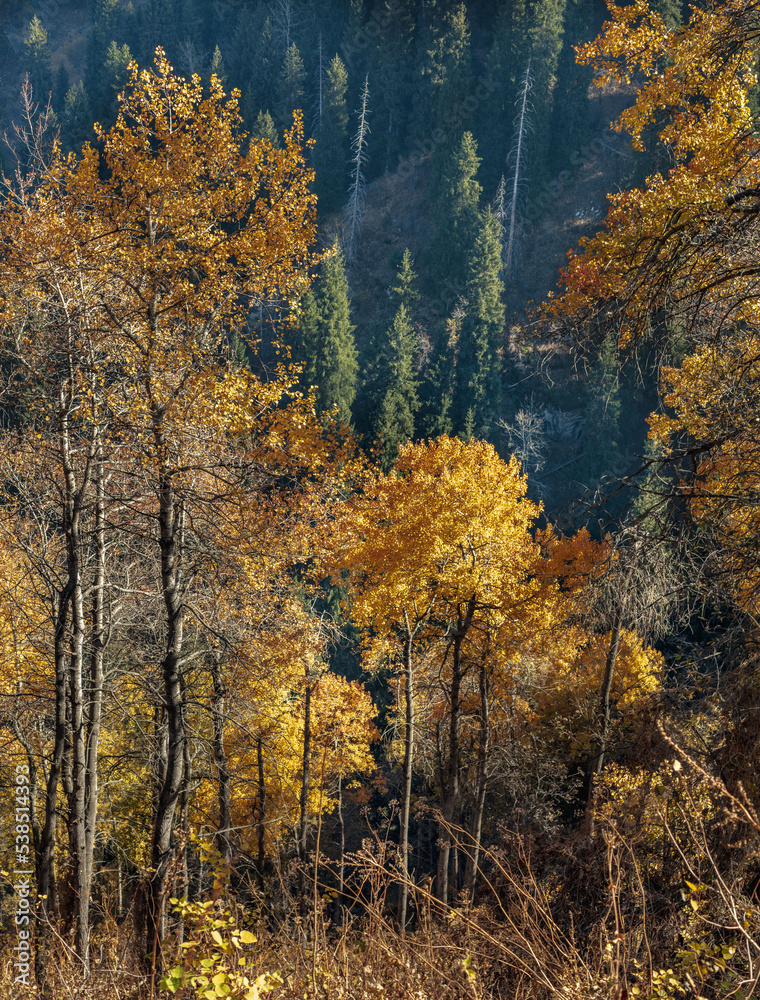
[
  {"x": 303, "y": 826},
  {"x": 261, "y": 826},
  {"x": 604, "y": 720},
  {"x": 481, "y": 781},
  {"x": 451, "y": 792},
  {"x": 406, "y": 793},
  {"x": 171, "y": 526},
  {"x": 341, "y": 851},
  {"x": 220, "y": 758},
  {"x": 46, "y": 852}
]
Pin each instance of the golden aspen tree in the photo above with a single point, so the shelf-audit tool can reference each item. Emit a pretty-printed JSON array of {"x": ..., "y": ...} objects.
[
  {"x": 439, "y": 553},
  {"x": 123, "y": 272},
  {"x": 679, "y": 255}
]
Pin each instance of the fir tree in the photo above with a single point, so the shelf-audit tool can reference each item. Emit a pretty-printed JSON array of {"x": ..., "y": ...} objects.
[
  {"x": 327, "y": 348},
  {"x": 671, "y": 12},
  {"x": 392, "y": 70},
  {"x": 526, "y": 31},
  {"x": 251, "y": 62},
  {"x": 77, "y": 118},
  {"x": 158, "y": 28},
  {"x": 458, "y": 213},
  {"x": 398, "y": 401},
  {"x": 331, "y": 150},
  {"x": 570, "y": 114},
  {"x": 37, "y": 60},
  {"x": 478, "y": 373},
  {"x": 115, "y": 75},
  {"x": 404, "y": 291},
  {"x": 290, "y": 86},
  {"x": 446, "y": 79},
  {"x": 603, "y": 411},
  {"x": 61, "y": 86},
  {"x": 106, "y": 28},
  {"x": 436, "y": 392},
  {"x": 216, "y": 67},
  {"x": 264, "y": 128}
]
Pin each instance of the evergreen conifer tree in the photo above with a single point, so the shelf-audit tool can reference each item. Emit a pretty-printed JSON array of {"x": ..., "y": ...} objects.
[
  {"x": 404, "y": 291},
  {"x": 477, "y": 390},
  {"x": 435, "y": 416},
  {"x": 446, "y": 79},
  {"x": 250, "y": 61},
  {"x": 290, "y": 87},
  {"x": 398, "y": 401},
  {"x": 326, "y": 347},
  {"x": 602, "y": 440},
  {"x": 107, "y": 26},
  {"x": 671, "y": 12},
  {"x": 570, "y": 114},
  {"x": 392, "y": 70},
  {"x": 61, "y": 86},
  {"x": 458, "y": 213},
  {"x": 264, "y": 128},
  {"x": 37, "y": 60},
  {"x": 216, "y": 67},
  {"x": 115, "y": 74},
  {"x": 526, "y": 31},
  {"x": 77, "y": 118},
  {"x": 158, "y": 28},
  {"x": 331, "y": 150}
]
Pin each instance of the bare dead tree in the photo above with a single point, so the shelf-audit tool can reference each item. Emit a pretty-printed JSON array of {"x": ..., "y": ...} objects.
[
  {"x": 355, "y": 207},
  {"x": 516, "y": 161}
]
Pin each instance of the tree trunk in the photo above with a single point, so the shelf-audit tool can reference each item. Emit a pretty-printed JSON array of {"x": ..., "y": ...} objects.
[
  {"x": 304, "y": 800},
  {"x": 261, "y": 827},
  {"x": 604, "y": 721},
  {"x": 476, "y": 828},
  {"x": 451, "y": 791},
  {"x": 406, "y": 793},
  {"x": 220, "y": 759},
  {"x": 170, "y": 520}
]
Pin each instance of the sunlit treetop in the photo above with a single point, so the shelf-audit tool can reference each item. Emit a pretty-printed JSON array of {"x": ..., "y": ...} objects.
[{"x": 682, "y": 244}]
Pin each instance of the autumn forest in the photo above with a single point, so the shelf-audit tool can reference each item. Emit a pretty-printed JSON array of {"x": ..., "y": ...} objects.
[{"x": 374, "y": 620}]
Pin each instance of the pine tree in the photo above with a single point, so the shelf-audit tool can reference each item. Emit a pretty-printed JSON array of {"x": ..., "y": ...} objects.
[
  {"x": 290, "y": 87},
  {"x": 570, "y": 114},
  {"x": 392, "y": 72},
  {"x": 264, "y": 128},
  {"x": 61, "y": 86},
  {"x": 251, "y": 63},
  {"x": 106, "y": 27},
  {"x": 477, "y": 389},
  {"x": 216, "y": 67},
  {"x": 115, "y": 74},
  {"x": 404, "y": 291},
  {"x": 326, "y": 347},
  {"x": 37, "y": 60},
  {"x": 446, "y": 79},
  {"x": 458, "y": 213},
  {"x": 398, "y": 401},
  {"x": 158, "y": 28},
  {"x": 330, "y": 152},
  {"x": 77, "y": 118}
]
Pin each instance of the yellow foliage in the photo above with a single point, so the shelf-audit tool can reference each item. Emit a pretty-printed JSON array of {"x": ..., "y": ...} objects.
[{"x": 571, "y": 684}]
